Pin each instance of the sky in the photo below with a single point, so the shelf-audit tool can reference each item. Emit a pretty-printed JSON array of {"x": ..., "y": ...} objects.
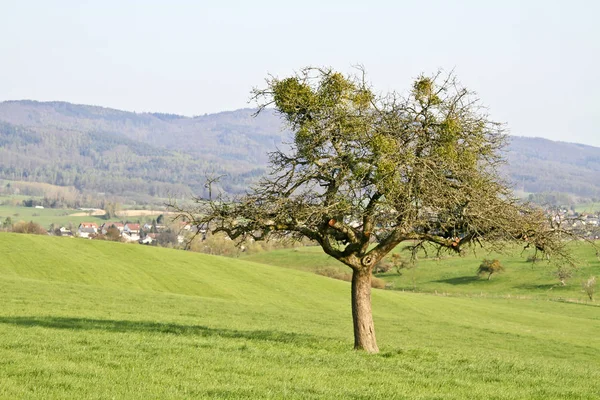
[{"x": 534, "y": 64}]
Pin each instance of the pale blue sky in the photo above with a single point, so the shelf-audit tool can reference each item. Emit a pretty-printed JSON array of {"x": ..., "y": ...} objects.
[{"x": 534, "y": 63}]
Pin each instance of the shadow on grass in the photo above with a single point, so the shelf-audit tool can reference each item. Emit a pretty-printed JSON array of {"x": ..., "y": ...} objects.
[
  {"x": 546, "y": 286},
  {"x": 85, "y": 324},
  {"x": 461, "y": 280}
]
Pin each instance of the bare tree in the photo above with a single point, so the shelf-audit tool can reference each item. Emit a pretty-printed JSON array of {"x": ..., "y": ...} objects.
[
  {"x": 589, "y": 287},
  {"x": 366, "y": 172}
]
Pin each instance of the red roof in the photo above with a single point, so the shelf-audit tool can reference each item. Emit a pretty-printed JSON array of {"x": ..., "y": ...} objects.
[
  {"x": 133, "y": 227},
  {"x": 115, "y": 224},
  {"x": 88, "y": 225}
]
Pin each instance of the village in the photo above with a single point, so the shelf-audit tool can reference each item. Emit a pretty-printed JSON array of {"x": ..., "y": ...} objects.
[{"x": 132, "y": 232}]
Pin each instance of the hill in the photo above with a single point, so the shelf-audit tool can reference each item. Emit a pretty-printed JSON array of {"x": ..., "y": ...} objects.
[
  {"x": 86, "y": 319},
  {"x": 455, "y": 275},
  {"x": 98, "y": 149},
  {"x": 104, "y": 150},
  {"x": 538, "y": 165}
]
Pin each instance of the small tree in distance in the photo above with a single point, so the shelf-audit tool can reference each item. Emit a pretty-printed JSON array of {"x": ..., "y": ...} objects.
[
  {"x": 589, "y": 287},
  {"x": 490, "y": 267},
  {"x": 366, "y": 172}
]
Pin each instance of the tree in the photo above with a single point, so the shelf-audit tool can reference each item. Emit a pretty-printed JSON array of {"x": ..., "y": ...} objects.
[
  {"x": 7, "y": 223},
  {"x": 564, "y": 272},
  {"x": 490, "y": 267},
  {"x": 113, "y": 234},
  {"x": 366, "y": 172},
  {"x": 589, "y": 287},
  {"x": 111, "y": 209}
]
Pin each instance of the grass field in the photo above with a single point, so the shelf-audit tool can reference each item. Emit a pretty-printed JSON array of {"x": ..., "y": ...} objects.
[
  {"x": 456, "y": 275},
  {"x": 86, "y": 319},
  {"x": 45, "y": 216},
  {"x": 588, "y": 207},
  {"x": 61, "y": 217}
]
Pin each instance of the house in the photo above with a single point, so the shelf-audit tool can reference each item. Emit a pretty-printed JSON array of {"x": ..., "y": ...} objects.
[
  {"x": 86, "y": 229},
  {"x": 65, "y": 232},
  {"x": 183, "y": 225},
  {"x": 147, "y": 240},
  {"x": 130, "y": 228},
  {"x": 131, "y": 232},
  {"x": 106, "y": 225}
]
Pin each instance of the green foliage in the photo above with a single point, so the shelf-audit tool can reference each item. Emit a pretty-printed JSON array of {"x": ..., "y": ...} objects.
[{"x": 490, "y": 267}]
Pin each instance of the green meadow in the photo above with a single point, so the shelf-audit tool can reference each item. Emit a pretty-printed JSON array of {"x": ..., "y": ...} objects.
[
  {"x": 46, "y": 216},
  {"x": 96, "y": 320},
  {"x": 57, "y": 216},
  {"x": 457, "y": 275}
]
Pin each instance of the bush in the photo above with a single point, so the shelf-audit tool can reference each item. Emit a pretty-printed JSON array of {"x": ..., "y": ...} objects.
[
  {"x": 28, "y": 227},
  {"x": 589, "y": 287},
  {"x": 382, "y": 266},
  {"x": 490, "y": 267},
  {"x": 399, "y": 264},
  {"x": 563, "y": 273},
  {"x": 377, "y": 283}
]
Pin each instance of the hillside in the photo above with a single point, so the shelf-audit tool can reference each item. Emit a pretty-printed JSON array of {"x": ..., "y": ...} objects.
[
  {"x": 455, "y": 275},
  {"x": 539, "y": 165},
  {"x": 87, "y": 319},
  {"x": 98, "y": 149},
  {"x": 117, "y": 152}
]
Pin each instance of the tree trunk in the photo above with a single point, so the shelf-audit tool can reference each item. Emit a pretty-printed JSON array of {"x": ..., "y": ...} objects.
[{"x": 362, "y": 316}]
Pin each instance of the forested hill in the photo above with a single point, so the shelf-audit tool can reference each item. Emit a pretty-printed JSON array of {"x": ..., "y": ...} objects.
[
  {"x": 99, "y": 149},
  {"x": 540, "y": 165},
  {"x": 106, "y": 150}
]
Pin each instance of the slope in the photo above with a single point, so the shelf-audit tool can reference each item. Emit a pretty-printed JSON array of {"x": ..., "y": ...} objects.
[
  {"x": 454, "y": 274},
  {"x": 99, "y": 320}
]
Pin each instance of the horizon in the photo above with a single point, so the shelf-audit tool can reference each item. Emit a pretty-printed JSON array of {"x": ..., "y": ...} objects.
[{"x": 240, "y": 109}]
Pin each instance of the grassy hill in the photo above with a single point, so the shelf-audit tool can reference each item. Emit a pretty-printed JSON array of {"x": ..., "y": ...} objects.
[
  {"x": 86, "y": 319},
  {"x": 456, "y": 275}
]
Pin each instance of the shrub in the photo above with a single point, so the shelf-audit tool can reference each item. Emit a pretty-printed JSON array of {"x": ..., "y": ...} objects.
[
  {"x": 589, "y": 286},
  {"x": 28, "y": 227},
  {"x": 563, "y": 273},
  {"x": 113, "y": 234},
  {"x": 382, "y": 266},
  {"x": 400, "y": 264},
  {"x": 490, "y": 267},
  {"x": 377, "y": 283}
]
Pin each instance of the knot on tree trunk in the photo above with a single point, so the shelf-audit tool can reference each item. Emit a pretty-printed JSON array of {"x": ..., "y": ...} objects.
[{"x": 367, "y": 260}]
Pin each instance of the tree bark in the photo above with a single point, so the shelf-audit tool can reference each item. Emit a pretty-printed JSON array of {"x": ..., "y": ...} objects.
[{"x": 362, "y": 316}]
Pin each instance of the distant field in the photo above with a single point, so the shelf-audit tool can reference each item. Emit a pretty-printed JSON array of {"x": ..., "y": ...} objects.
[
  {"x": 48, "y": 216},
  {"x": 96, "y": 320},
  {"x": 457, "y": 275},
  {"x": 588, "y": 207}
]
